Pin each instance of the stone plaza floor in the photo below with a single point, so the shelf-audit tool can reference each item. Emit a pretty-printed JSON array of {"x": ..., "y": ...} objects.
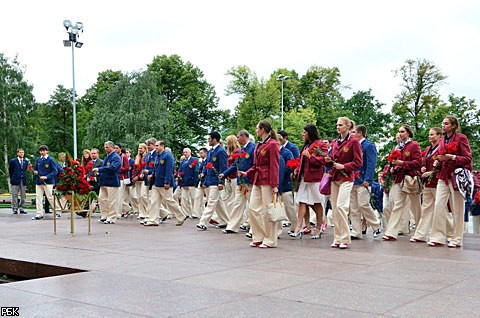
[{"x": 170, "y": 271}]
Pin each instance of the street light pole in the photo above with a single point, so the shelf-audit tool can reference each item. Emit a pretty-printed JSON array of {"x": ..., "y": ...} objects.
[
  {"x": 73, "y": 30},
  {"x": 282, "y": 78}
]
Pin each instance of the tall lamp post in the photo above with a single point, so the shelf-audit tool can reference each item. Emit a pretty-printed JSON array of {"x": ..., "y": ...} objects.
[
  {"x": 73, "y": 31},
  {"x": 282, "y": 78}
]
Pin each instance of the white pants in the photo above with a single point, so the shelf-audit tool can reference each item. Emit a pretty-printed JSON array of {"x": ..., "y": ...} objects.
[
  {"x": 109, "y": 203},
  {"x": 39, "y": 191}
]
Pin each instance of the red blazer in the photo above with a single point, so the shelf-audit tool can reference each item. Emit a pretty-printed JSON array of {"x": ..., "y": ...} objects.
[
  {"x": 312, "y": 168},
  {"x": 463, "y": 159},
  {"x": 125, "y": 167},
  {"x": 265, "y": 164},
  {"x": 412, "y": 161},
  {"x": 428, "y": 164},
  {"x": 348, "y": 153}
]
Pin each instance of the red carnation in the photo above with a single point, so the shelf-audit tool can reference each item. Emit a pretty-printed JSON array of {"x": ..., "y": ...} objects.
[
  {"x": 451, "y": 147},
  {"x": 235, "y": 155},
  {"x": 441, "y": 152},
  {"x": 30, "y": 168},
  {"x": 209, "y": 166},
  {"x": 71, "y": 173},
  {"x": 150, "y": 164},
  {"x": 243, "y": 154},
  {"x": 72, "y": 187},
  {"x": 356, "y": 174},
  {"x": 292, "y": 164}
]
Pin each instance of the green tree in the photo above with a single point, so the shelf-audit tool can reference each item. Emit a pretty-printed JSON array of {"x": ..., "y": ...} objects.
[
  {"x": 188, "y": 98},
  {"x": 320, "y": 89},
  {"x": 16, "y": 101},
  {"x": 88, "y": 102},
  {"x": 419, "y": 96},
  {"x": 366, "y": 110}
]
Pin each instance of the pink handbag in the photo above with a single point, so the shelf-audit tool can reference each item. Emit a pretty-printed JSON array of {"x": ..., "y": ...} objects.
[{"x": 325, "y": 184}]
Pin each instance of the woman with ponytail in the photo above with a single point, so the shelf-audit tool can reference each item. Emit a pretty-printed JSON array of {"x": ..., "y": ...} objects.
[{"x": 265, "y": 180}]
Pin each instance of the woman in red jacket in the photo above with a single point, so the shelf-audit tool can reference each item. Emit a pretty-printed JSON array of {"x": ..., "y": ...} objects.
[
  {"x": 453, "y": 152},
  {"x": 346, "y": 156},
  {"x": 264, "y": 174},
  {"x": 409, "y": 163},
  {"x": 424, "y": 226},
  {"x": 310, "y": 173}
]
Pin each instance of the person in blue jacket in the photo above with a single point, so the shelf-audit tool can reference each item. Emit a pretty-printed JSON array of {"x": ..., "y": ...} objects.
[
  {"x": 109, "y": 182},
  {"x": 162, "y": 192},
  {"x": 288, "y": 144},
  {"x": 243, "y": 188},
  {"x": 188, "y": 172},
  {"x": 362, "y": 187},
  {"x": 45, "y": 172},
  {"x": 17, "y": 170},
  {"x": 215, "y": 163}
]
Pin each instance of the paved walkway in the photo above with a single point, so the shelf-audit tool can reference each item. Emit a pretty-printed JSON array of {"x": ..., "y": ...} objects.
[{"x": 169, "y": 271}]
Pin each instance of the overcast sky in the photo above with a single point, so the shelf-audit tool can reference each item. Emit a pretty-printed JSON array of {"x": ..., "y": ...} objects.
[{"x": 365, "y": 39}]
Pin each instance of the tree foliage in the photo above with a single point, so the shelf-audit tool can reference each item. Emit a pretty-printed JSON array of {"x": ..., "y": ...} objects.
[
  {"x": 16, "y": 102},
  {"x": 419, "y": 96}
]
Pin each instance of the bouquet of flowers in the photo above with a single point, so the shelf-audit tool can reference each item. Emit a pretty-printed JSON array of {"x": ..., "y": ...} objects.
[
  {"x": 293, "y": 164},
  {"x": 475, "y": 207},
  {"x": 72, "y": 180}
]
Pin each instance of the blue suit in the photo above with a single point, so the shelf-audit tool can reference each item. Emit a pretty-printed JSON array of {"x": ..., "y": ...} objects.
[
  {"x": 46, "y": 168},
  {"x": 218, "y": 158},
  {"x": 110, "y": 171},
  {"x": 242, "y": 164},
  {"x": 17, "y": 172},
  {"x": 150, "y": 165},
  {"x": 281, "y": 173},
  {"x": 163, "y": 173},
  {"x": 367, "y": 170},
  {"x": 286, "y": 184},
  {"x": 293, "y": 148},
  {"x": 190, "y": 174}
]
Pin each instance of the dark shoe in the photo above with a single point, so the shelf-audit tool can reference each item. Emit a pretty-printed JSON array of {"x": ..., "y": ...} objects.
[
  {"x": 364, "y": 232},
  {"x": 244, "y": 228},
  {"x": 48, "y": 212},
  {"x": 108, "y": 222},
  {"x": 249, "y": 235},
  {"x": 226, "y": 231},
  {"x": 286, "y": 224},
  {"x": 376, "y": 233},
  {"x": 82, "y": 214},
  {"x": 23, "y": 212},
  {"x": 102, "y": 220},
  {"x": 354, "y": 237},
  {"x": 125, "y": 215},
  {"x": 15, "y": 212},
  {"x": 58, "y": 215},
  {"x": 164, "y": 218},
  {"x": 221, "y": 226},
  {"x": 201, "y": 227},
  {"x": 37, "y": 218}
]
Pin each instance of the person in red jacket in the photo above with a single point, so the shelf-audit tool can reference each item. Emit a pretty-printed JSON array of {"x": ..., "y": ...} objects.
[
  {"x": 264, "y": 176},
  {"x": 424, "y": 226},
  {"x": 310, "y": 173},
  {"x": 346, "y": 156},
  {"x": 408, "y": 163},
  {"x": 453, "y": 152}
]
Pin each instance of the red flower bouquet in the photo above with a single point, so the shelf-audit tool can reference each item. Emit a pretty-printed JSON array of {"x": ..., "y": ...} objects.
[{"x": 72, "y": 180}]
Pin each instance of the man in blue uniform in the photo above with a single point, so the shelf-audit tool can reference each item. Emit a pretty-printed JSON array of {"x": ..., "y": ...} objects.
[
  {"x": 17, "y": 170},
  {"x": 109, "y": 182},
  {"x": 162, "y": 192},
  {"x": 215, "y": 163},
  {"x": 45, "y": 172}
]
